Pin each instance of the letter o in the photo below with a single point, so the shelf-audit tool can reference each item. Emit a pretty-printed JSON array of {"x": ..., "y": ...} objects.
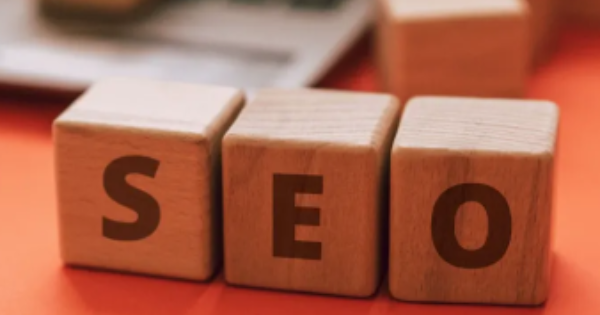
[{"x": 499, "y": 226}]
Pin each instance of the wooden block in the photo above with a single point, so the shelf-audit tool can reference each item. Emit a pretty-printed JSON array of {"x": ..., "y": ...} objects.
[
  {"x": 471, "y": 201},
  {"x": 137, "y": 168},
  {"x": 463, "y": 48},
  {"x": 545, "y": 21},
  {"x": 582, "y": 12},
  {"x": 304, "y": 175}
]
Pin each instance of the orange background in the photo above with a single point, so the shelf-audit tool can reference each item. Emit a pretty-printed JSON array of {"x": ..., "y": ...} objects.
[{"x": 34, "y": 281}]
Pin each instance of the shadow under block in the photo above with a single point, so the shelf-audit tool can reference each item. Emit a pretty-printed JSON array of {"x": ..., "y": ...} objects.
[
  {"x": 471, "y": 201},
  {"x": 545, "y": 21},
  {"x": 138, "y": 177},
  {"x": 304, "y": 174},
  {"x": 460, "y": 48}
]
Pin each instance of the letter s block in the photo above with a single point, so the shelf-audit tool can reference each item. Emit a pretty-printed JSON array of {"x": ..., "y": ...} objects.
[
  {"x": 471, "y": 201},
  {"x": 138, "y": 176},
  {"x": 304, "y": 174}
]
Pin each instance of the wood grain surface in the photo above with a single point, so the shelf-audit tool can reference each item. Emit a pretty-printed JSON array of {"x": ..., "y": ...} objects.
[
  {"x": 461, "y": 48},
  {"x": 494, "y": 159},
  {"x": 333, "y": 147},
  {"x": 179, "y": 126}
]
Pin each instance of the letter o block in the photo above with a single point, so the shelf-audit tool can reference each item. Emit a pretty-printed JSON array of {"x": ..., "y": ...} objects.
[
  {"x": 304, "y": 175},
  {"x": 137, "y": 171},
  {"x": 471, "y": 201}
]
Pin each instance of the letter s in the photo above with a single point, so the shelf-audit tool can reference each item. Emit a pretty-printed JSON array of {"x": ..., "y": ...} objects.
[{"x": 142, "y": 203}]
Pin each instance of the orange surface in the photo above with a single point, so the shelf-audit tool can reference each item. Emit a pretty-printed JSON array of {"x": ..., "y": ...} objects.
[{"x": 33, "y": 280}]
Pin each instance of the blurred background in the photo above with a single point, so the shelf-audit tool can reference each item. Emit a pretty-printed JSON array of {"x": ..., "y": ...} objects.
[
  {"x": 66, "y": 45},
  {"x": 69, "y": 44}
]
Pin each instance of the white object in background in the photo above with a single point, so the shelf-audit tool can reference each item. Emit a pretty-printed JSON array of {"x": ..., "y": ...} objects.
[{"x": 204, "y": 41}]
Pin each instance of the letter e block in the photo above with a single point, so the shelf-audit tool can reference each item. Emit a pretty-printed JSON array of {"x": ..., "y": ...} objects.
[
  {"x": 304, "y": 174},
  {"x": 471, "y": 201},
  {"x": 138, "y": 177}
]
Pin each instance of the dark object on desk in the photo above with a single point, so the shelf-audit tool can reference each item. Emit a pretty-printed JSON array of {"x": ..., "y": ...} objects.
[{"x": 106, "y": 11}]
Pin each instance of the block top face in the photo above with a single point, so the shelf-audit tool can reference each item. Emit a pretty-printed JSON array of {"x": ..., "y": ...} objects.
[
  {"x": 152, "y": 105},
  {"x": 441, "y": 9},
  {"x": 476, "y": 124},
  {"x": 317, "y": 116}
]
